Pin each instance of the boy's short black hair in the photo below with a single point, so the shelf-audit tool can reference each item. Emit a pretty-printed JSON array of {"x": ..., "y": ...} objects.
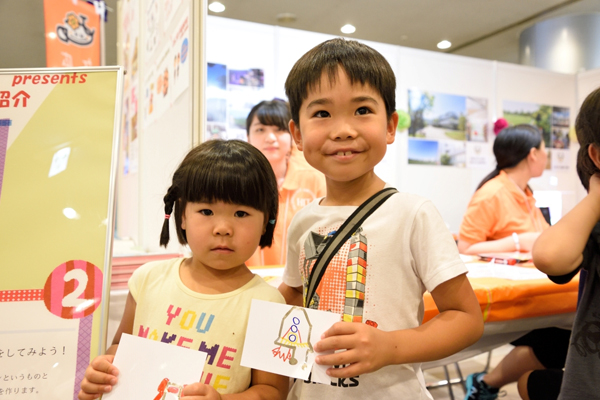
[
  {"x": 231, "y": 171},
  {"x": 360, "y": 62},
  {"x": 587, "y": 128},
  {"x": 270, "y": 112}
]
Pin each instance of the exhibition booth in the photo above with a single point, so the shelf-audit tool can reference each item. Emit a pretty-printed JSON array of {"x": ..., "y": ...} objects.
[{"x": 185, "y": 78}]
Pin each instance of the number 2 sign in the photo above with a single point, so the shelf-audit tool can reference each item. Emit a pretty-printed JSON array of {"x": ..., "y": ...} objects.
[{"x": 73, "y": 290}]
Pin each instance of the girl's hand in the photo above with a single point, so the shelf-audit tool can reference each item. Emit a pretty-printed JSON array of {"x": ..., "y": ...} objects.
[
  {"x": 100, "y": 376},
  {"x": 200, "y": 391},
  {"x": 365, "y": 349}
]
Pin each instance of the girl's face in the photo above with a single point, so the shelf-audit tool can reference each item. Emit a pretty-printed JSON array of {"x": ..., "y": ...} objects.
[
  {"x": 274, "y": 143},
  {"x": 222, "y": 236}
]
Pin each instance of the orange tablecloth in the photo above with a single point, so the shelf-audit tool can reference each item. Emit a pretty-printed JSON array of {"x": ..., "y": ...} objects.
[
  {"x": 500, "y": 299},
  {"x": 504, "y": 300}
]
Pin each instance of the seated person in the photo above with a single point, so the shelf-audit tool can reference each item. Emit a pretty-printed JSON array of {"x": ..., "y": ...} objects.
[
  {"x": 298, "y": 182},
  {"x": 503, "y": 204},
  {"x": 502, "y": 217}
]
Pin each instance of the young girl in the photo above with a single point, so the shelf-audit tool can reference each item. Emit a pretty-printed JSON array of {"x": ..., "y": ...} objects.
[
  {"x": 225, "y": 199},
  {"x": 572, "y": 244}
]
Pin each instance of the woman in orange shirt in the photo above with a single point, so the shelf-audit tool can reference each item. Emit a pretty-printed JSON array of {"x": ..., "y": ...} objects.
[
  {"x": 502, "y": 217},
  {"x": 298, "y": 183}
]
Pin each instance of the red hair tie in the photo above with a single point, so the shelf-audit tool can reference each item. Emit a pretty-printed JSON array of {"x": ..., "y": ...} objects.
[{"x": 167, "y": 216}]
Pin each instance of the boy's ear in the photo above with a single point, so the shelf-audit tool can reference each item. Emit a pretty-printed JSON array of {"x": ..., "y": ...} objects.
[
  {"x": 594, "y": 153},
  {"x": 296, "y": 135},
  {"x": 391, "y": 128}
]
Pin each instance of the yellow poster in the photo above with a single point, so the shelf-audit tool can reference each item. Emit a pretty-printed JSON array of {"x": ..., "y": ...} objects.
[{"x": 58, "y": 145}]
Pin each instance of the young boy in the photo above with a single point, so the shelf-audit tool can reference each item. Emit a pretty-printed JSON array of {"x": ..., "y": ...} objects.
[{"x": 342, "y": 98}]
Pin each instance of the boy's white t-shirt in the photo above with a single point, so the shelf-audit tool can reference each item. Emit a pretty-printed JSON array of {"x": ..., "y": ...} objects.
[{"x": 408, "y": 250}]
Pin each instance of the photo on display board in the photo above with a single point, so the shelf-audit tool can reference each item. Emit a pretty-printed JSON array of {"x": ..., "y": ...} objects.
[
  {"x": 231, "y": 94},
  {"x": 452, "y": 153},
  {"x": 444, "y": 123},
  {"x": 436, "y": 116},
  {"x": 216, "y": 110},
  {"x": 216, "y": 131},
  {"x": 516, "y": 112},
  {"x": 553, "y": 123},
  {"x": 253, "y": 78},
  {"x": 217, "y": 76},
  {"x": 423, "y": 152}
]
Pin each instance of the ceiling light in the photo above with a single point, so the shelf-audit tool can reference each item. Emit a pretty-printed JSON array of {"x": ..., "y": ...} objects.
[
  {"x": 348, "y": 28},
  {"x": 216, "y": 7},
  {"x": 444, "y": 44}
]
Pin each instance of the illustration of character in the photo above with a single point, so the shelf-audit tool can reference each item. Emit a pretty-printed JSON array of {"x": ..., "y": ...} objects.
[
  {"x": 75, "y": 30},
  {"x": 168, "y": 390},
  {"x": 294, "y": 333}
]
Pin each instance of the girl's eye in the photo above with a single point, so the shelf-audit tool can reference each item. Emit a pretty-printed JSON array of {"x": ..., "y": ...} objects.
[
  {"x": 206, "y": 212},
  {"x": 363, "y": 111},
  {"x": 241, "y": 214},
  {"x": 321, "y": 114}
]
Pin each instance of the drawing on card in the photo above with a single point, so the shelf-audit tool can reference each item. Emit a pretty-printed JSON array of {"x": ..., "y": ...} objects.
[
  {"x": 294, "y": 334},
  {"x": 168, "y": 390}
]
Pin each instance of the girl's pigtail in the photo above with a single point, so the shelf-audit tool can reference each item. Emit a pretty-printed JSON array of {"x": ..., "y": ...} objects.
[{"x": 169, "y": 200}]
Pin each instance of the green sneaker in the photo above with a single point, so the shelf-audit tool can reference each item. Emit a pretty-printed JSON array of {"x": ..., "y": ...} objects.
[{"x": 477, "y": 389}]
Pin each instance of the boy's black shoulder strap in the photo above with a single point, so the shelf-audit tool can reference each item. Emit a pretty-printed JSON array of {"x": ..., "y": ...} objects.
[{"x": 335, "y": 242}]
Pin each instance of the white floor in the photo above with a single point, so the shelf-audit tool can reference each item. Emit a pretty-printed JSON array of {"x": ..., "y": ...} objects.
[{"x": 475, "y": 364}]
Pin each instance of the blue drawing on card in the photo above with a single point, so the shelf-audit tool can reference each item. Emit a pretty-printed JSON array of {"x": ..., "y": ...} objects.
[{"x": 294, "y": 334}]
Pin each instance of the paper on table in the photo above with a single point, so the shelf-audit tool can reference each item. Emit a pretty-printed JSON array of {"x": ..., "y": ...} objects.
[
  {"x": 148, "y": 368},
  {"x": 493, "y": 270},
  {"x": 281, "y": 338}
]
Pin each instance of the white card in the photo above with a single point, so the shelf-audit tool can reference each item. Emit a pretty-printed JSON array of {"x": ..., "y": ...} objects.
[
  {"x": 148, "y": 368},
  {"x": 281, "y": 338}
]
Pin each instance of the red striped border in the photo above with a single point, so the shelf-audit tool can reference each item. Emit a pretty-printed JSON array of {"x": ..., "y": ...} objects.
[{"x": 21, "y": 295}]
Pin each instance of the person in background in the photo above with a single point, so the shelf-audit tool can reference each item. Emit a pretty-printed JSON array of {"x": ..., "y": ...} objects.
[
  {"x": 225, "y": 198},
  {"x": 502, "y": 217},
  {"x": 573, "y": 244},
  {"x": 298, "y": 183}
]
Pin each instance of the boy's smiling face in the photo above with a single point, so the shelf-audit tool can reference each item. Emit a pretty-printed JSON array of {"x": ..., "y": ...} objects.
[{"x": 343, "y": 128}]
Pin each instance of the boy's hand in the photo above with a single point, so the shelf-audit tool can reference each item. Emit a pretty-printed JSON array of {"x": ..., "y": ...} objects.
[
  {"x": 100, "y": 376},
  {"x": 365, "y": 349},
  {"x": 200, "y": 391}
]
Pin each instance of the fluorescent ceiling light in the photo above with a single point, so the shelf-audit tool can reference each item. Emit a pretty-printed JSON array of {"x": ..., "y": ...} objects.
[
  {"x": 216, "y": 7},
  {"x": 348, "y": 28},
  {"x": 444, "y": 44}
]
